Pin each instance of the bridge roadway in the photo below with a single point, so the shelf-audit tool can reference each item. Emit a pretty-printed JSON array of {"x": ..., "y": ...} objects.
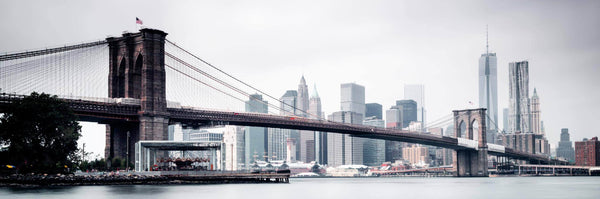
[{"x": 106, "y": 110}]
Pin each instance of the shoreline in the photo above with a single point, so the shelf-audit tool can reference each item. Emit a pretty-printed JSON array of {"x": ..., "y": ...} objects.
[{"x": 91, "y": 180}]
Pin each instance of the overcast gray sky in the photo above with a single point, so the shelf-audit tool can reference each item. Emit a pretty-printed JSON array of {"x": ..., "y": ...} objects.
[{"x": 379, "y": 44}]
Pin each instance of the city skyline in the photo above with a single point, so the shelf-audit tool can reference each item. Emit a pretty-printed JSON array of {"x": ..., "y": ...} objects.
[{"x": 374, "y": 49}]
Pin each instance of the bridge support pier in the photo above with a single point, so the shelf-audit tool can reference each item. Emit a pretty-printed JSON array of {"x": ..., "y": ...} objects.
[
  {"x": 471, "y": 162},
  {"x": 119, "y": 136},
  {"x": 137, "y": 71}
]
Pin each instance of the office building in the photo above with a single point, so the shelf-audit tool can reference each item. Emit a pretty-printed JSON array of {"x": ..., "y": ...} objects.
[
  {"x": 306, "y": 141},
  {"x": 488, "y": 92},
  {"x": 353, "y": 98},
  {"x": 535, "y": 114},
  {"x": 343, "y": 149},
  {"x": 233, "y": 139},
  {"x": 255, "y": 137},
  {"x": 519, "y": 116},
  {"x": 505, "y": 120},
  {"x": 314, "y": 108},
  {"x": 587, "y": 152},
  {"x": 373, "y": 110},
  {"x": 393, "y": 149},
  {"x": 565, "y": 146},
  {"x": 409, "y": 111},
  {"x": 278, "y": 138},
  {"x": 416, "y": 92},
  {"x": 374, "y": 149},
  {"x": 416, "y": 155}
]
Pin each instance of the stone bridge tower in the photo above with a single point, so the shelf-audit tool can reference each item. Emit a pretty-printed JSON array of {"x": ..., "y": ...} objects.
[
  {"x": 471, "y": 162},
  {"x": 137, "y": 70}
]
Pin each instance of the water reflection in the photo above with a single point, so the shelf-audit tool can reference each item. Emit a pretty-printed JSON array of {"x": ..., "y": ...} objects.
[
  {"x": 137, "y": 189},
  {"x": 52, "y": 190}
]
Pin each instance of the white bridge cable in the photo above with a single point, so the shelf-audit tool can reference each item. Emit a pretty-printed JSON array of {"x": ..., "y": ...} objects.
[
  {"x": 440, "y": 122},
  {"x": 225, "y": 85},
  {"x": 81, "y": 71},
  {"x": 492, "y": 121},
  {"x": 228, "y": 76}
]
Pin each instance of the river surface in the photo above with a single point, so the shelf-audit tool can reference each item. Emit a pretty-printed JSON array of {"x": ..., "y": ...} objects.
[{"x": 308, "y": 188}]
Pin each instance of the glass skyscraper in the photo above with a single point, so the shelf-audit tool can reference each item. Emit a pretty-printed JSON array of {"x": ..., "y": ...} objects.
[
  {"x": 488, "y": 93},
  {"x": 416, "y": 92},
  {"x": 255, "y": 137}
]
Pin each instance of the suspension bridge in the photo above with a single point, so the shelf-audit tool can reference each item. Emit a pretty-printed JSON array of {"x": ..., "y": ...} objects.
[{"x": 153, "y": 82}]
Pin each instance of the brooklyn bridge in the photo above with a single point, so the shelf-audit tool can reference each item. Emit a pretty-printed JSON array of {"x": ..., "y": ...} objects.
[{"x": 142, "y": 64}]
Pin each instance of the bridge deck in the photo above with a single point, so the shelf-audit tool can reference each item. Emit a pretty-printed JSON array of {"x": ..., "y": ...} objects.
[{"x": 106, "y": 110}]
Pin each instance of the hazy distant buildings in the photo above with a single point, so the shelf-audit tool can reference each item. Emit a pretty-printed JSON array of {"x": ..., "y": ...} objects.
[
  {"x": 488, "y": 92},
  {"x": 353, "y": 98},
  {"x": 535, "y": 113},
  {"x": 587, "y": 152},
  {"x": 525, "y": 142},
  {"x": 233, "y": 140},
  {"x": 374, "y": 149},
  {"x": 314, "y": 108},
  {"x": 519, "y": 116},
  {"x": 289, "y": 102},
  {"x": 255, "y": 137},
  {"x": 565, "y": 146},
  {"x": 416, "y": 92},
  {"x": 306, "y": 144},
  {"x": 343, "y": 149},
  {"x": 393, "y": 149},
  {"x": 505, "y": 119},
  {"x": 416, "y": 154},
  {"x": 278, "y": 138},
  {"x": 409, "y": 111},
  {"x": 373, "y": 110}
]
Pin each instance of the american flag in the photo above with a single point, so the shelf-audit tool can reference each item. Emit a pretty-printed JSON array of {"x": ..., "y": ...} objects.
[{"x": 138, "y": 21}]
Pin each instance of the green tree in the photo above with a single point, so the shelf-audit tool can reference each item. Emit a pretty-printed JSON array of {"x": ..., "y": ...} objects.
[{"x": 41, "y": 133}]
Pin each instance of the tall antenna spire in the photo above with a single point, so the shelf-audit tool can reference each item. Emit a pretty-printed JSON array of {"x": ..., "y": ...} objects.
[{"x": 486, "y": 40}]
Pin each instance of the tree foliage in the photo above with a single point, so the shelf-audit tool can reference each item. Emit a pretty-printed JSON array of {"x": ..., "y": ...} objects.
[{"x": 41, "y": 133}]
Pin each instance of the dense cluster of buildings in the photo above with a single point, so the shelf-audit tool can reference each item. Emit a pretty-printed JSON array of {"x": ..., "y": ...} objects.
[
  {"x": 522, "y": 130},
  {"x": 246, "y": 145},
  {"x": 523, "y": 127}
]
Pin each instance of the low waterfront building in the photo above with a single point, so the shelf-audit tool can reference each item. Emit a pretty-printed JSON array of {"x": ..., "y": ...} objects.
[{"x": 587, "y": 152}]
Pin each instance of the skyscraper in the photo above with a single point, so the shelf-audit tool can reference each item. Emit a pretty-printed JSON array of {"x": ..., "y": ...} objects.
[
  {"x": 374, "y": 149},
  {"x": 505, "y": 120},
  {"x": 409, "y": 111},
  {"x": 519, "y": 116},
  {"x": 255, "y": 137},
  {"x": 373, "y": 110},
  {"x": 278, "y": 138},
  {"x": 302, "y": 98},
  {"x": 314, "y": 108},
  {"x": 289, "y": 102},
  {"x": 353, "y": 98},
  {"x": 393, "y": 119},
  {"x": 306, "y": 145},
  {"x": 488, "y": 92},
  {"x": 565, "y": 146},
  {"x": 535, "y": 113},
  {"x": 233, "y": 139},
  {"x": 343, "y": 149},
  {"x": 416, "y": 92}
]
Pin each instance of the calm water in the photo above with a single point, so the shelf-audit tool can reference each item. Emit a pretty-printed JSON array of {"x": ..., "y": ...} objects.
[{"x": 449, "y": 188}]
